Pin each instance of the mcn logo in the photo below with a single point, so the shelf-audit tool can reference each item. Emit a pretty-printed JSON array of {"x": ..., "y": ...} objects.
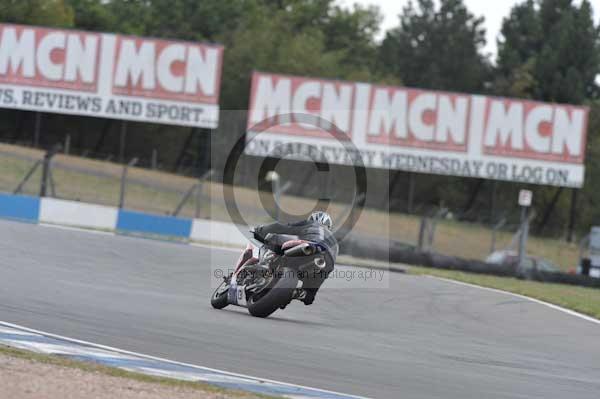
[
  {"x": 49, "y": 57},
  {"x": 167, "y": 69},
  {"x": 411, "y": 118},
  {"x": 136, "y": 66},
  {"x": 544, "y": 131}
]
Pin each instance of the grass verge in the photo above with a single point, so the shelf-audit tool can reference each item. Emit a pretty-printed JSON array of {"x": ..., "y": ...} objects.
[
  {"x": 116, "y": 372},
  {"x": 580, "y": 299}
]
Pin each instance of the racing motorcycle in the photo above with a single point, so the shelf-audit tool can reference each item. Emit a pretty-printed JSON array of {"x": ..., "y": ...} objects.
[{"x": 272, "y": 280}]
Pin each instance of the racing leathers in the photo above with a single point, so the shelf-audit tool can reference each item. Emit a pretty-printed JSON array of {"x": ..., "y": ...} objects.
[{"x": 308, "y": 231}]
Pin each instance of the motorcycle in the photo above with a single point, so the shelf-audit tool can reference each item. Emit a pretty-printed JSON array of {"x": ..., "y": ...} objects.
[{"x": 272, "y": 280}]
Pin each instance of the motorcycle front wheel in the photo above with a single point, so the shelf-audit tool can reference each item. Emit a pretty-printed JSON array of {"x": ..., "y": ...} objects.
[
  {"x": 278, "y": 293},
  {"x": 219, "y": 297}
]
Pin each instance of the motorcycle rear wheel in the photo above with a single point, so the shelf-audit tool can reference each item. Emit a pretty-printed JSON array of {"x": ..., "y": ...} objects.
[{"x": 278, "y": 294}]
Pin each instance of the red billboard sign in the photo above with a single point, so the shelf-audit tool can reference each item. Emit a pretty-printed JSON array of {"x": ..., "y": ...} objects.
[
  {"x": 425, "y": 131},
  {"x": 115, "y": 76}
]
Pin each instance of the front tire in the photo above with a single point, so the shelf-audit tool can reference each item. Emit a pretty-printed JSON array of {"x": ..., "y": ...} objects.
[
  {"x": 219, "y": 297},
  {"x": 278, "y": 294}
]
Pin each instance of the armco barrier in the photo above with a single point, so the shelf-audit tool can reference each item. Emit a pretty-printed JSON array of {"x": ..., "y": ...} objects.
[
  {"x": 71, "y": 213},
  {"x": 139, "y": 222},
  {"x": 219, "y": 232},
  {"x": 98, "y": 217},
  {"x": 19, "y": 207}
]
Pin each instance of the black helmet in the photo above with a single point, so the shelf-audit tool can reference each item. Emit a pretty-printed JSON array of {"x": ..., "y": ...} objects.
[{"x": 322, "y": 218}]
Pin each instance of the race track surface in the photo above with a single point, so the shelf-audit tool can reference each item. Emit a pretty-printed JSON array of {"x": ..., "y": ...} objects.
[{"x": 421, "y": 338}]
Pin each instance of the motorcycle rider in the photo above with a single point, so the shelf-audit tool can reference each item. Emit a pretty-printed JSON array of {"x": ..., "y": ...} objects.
[{"x": 317, "y": 229}]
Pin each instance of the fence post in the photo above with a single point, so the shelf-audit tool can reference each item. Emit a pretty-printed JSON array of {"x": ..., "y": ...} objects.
[
  {"x": 525, "y": 201},
  {"x": 523, "y": 237},
  {"x": 67, "y": 144},
  {"x": 37, "y": 129},
  {"x": 46, "y": 168},
  {"x": 411, "y": 193},
  {"x": 154, "y": 159},
  {"x": 122, "y": 141},
  {"x": 442, "y": 212},
  {"x": 584, "y": 245},
  {"x": 277, "y": 189},
  {"x": 185, "y": 198},
  {"x": 198, "y": 200},
  {"x": 27, "y": 177},
  {"x": 572, "y": 215},
  {"x": 273, "y": 178},
  {"x": 123, "y": 181},
  {"x": 196, "y": 190},
  {"x": 493, "y": 201},
  {"x": 200, "y": 191},
  {"x": 422, "y": 229},
  {"x": 495, "y": 229}
]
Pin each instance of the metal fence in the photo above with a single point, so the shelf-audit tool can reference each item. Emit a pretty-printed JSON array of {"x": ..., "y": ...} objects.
[{"x": 80, "y": 179}]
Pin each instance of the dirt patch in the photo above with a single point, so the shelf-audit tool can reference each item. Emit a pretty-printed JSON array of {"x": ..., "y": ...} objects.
[{"x": 30, "y": 379}]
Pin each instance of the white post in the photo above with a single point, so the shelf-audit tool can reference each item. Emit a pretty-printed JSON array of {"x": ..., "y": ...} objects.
[
  {"x": 525, "y": 200},
  {"x": 273, "y": 177}
]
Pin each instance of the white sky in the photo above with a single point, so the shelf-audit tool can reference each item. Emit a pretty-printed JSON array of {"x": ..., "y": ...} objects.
[{"x": 493, "y": 11}]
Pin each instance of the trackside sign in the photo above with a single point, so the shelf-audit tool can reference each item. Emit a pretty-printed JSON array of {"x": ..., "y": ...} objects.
[
  {"x": 417, "y": 130},
  {"x": 106, "y": 75}
]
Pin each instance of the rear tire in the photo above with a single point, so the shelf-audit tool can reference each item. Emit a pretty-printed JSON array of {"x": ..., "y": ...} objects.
[
  {"x": 279, "y": 294},
  {"x": 219, "y": 299}
]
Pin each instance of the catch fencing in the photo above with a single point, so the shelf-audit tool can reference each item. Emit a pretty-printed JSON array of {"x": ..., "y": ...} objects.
[{"x": 435, "y": 230}]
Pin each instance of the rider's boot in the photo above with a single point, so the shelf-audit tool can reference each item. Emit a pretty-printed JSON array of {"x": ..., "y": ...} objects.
[{"x": 309, "y": 297}]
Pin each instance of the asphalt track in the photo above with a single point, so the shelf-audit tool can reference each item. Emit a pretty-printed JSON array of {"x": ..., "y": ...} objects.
[{"x": 421, "y": 338}]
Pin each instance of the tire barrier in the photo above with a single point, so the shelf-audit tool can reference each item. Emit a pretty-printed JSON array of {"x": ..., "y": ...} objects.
[{"x": 399, "y": 252}]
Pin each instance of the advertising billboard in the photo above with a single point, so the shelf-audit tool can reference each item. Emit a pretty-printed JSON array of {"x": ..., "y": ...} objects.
[
  {"x": 112, "y": 76},
  {"x": 419, "y": 131}
]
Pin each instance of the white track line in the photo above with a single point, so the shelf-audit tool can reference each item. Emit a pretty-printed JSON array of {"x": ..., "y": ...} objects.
[
  {"x": 78, "y": 229},
  {"x": 219, "y": 247},
  {"x": 550, "y": 305},
  {"x": 160, "y": 359},
  {"x": 110, "y": 233}
]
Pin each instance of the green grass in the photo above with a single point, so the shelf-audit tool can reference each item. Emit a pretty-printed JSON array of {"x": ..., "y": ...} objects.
[
  {"x": 115, "y": 372},
  {"x": 580, "y": 299}
]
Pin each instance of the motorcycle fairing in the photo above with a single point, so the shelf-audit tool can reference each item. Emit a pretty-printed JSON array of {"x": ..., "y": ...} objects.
[{"x": 237, "y": 295}]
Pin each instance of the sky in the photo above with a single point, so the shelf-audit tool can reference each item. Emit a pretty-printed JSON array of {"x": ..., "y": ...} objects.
[{"x": 493, "y": 11}]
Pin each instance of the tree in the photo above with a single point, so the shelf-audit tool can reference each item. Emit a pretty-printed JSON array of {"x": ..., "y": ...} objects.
[
  {"x": 54, "y": 13},
  {"x": 130, "y": 16},
  {"x": 550, "y": 51},
  {"x": 302, "y": 14},
  {"x": 204, "y": 20},
  {"x": 92, "y": 15},
  {"x": 352, "y": 33},
  {"x": 349, "y": 32},
  {"x": 302, "y": 37},
  {"x": 437, "y": 48},
  {"x": 554, "y": 45},
  {"x": 589, "y": 210},
  {"x": 275, "y": 46}
]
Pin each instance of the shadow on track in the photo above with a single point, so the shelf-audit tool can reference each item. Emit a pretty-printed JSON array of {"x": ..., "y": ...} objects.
[{"x": 284, "y": 320}]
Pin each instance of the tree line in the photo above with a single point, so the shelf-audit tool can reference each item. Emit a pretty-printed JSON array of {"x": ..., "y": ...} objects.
[{"x": 548, "y": 50}]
